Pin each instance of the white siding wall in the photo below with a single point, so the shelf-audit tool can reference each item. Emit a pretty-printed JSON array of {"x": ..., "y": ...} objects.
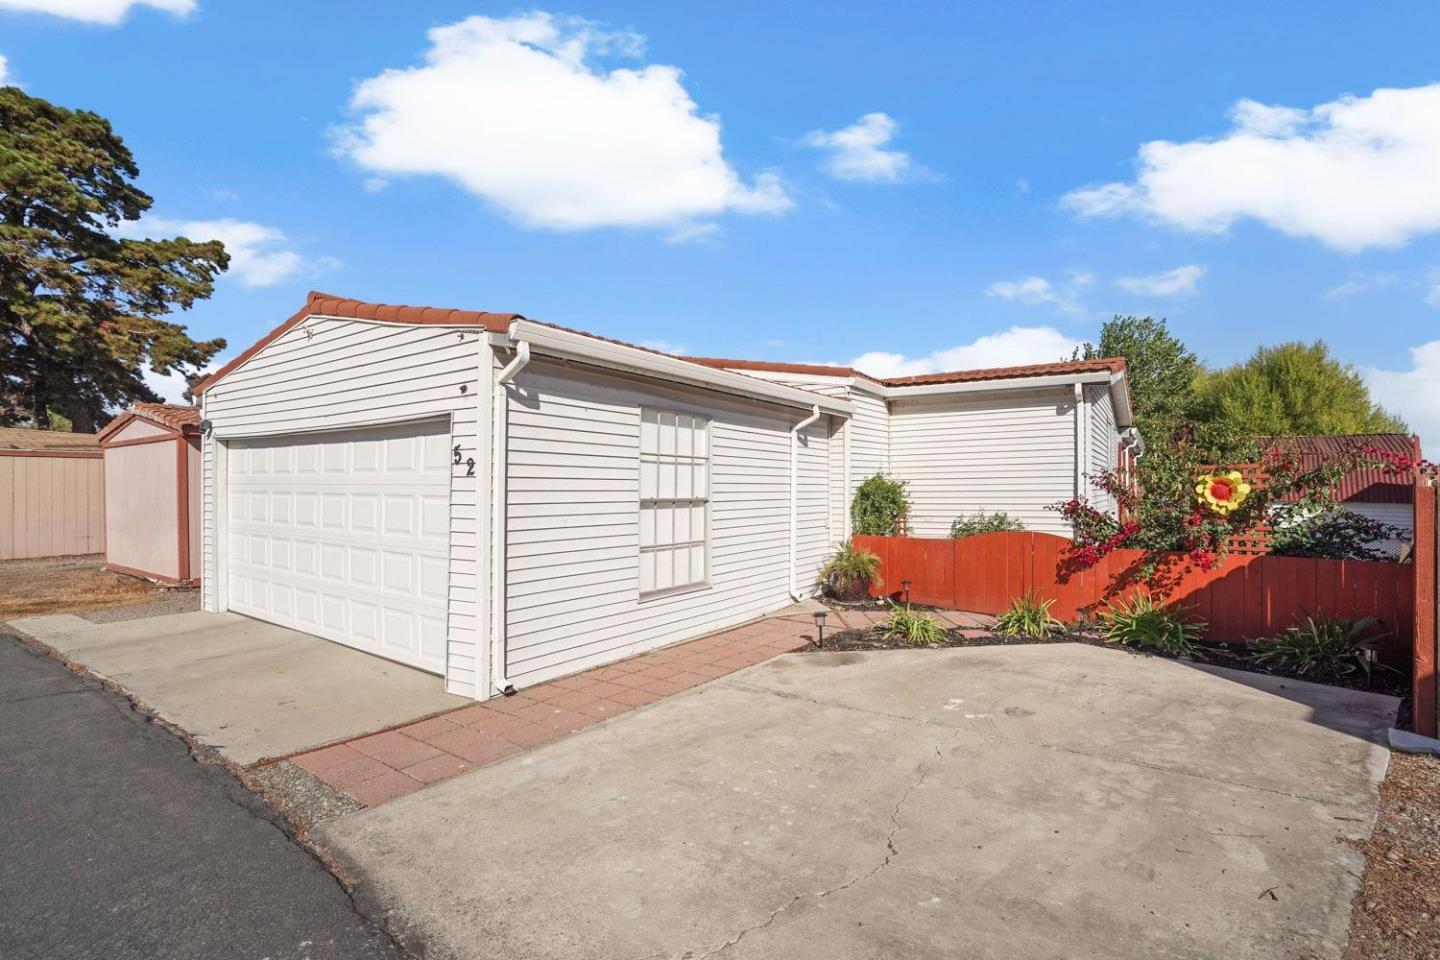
[
  {"x": 1012, "y": 451},
  {"x": 350, "y": 373},
  {"x": 572, "y": 549},
  {"x": 869, "y": 438},
  {"x": 1101, "y": 447}
]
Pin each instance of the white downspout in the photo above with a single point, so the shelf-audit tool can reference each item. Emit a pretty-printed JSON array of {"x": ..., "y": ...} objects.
[
  {"x": 499, "y": 485},
  {"x": 795, "y": 494}
]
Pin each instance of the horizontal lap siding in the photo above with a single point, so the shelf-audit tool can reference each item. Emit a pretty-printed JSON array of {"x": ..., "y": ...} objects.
[
  {"x": 353, "y": 373},
  {"x": 572, "y": 544},
  {"x": 1103, "y": 440},
  {"x": 1013, "y": 452}
]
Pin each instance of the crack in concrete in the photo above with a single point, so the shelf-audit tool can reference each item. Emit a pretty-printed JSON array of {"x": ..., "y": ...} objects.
[
  {"x": 987, "y": 731},
  {"x": 891, "y": 852}
]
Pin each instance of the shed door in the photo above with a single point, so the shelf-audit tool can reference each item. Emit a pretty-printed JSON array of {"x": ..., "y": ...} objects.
[{"x": 345, "y": 535}]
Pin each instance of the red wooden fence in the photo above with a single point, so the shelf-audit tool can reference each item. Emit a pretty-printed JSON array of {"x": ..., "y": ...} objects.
[{"x": 1244, "y": 598}]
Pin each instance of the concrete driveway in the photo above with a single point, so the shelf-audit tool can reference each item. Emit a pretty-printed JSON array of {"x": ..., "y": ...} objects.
[
  {"x": 249, "y": 689},
  {"x": 1027, "y": 802}
]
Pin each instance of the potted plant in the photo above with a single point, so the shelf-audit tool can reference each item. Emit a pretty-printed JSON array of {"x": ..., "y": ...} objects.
[{"x": 850, "y": 572}]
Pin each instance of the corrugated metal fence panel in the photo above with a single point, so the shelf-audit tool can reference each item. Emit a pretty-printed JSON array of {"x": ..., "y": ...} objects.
[
  {"x": 51, "y": 506},
  {"x": 1244, "y": 598}
]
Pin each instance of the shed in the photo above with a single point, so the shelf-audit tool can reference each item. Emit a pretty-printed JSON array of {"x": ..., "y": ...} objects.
[{"x": 152, "y": 493}]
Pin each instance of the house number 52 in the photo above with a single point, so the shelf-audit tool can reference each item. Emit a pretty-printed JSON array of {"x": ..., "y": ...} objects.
[{"x": 468, "y": 461}]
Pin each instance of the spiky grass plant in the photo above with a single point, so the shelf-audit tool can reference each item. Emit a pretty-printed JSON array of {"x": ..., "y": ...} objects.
[
  {"x": 1143, "y": 622},
  {"x": 1028, "y": 616},
  {"x": 915, "y": 629},
  {"x": 1323, "y": 645}
]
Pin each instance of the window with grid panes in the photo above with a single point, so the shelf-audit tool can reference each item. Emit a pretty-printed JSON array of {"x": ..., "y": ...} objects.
[{"x": 674, "y": 501}]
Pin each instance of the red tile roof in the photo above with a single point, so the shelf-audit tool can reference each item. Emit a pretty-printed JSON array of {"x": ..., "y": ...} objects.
[
  {"x": 324, "y": 304},
  {"x": 1370, "y": 485},
  {"x": 1106, "y": 365},
  {"x": 181, "y": 419}
]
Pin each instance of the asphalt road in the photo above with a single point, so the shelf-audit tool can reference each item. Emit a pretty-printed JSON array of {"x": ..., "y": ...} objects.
[{"x": 116, "y": 844}]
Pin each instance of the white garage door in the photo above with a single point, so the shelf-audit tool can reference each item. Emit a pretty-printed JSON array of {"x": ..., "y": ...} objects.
[{"x": 345, "y": 535}]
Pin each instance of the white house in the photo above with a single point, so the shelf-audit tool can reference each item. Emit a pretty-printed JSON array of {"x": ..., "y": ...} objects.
[
  {"x": 502, "y": 501},
  {"x": 1012, "y": 439}
]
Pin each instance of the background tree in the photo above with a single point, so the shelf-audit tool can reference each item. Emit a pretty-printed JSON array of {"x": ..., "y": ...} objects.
[
  {"x": 81, "y": 310},
  {"x": 1293, "y": 388},
  {"x": 1162, "y": 371}
]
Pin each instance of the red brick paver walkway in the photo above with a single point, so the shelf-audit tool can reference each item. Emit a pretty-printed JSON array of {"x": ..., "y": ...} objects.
[{"x": 381, "y": 766}]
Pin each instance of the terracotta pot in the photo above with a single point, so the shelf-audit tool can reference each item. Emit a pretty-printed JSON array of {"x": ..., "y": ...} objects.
[{"x": 854, "y": 591}]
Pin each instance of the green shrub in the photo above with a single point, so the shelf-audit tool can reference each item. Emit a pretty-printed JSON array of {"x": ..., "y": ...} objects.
[
  {"x": 982, "y": 522},
  {"x": 880, "y": 507},
  {"x": 1141, "y": 622},
  {"x": 917, "y": 629},
  {"x": 1028, "y": 616},
  {"x": 850, "y": 570},
  {"x": 1299, "y": 530},
  {"x": 1322, "y": 645}
]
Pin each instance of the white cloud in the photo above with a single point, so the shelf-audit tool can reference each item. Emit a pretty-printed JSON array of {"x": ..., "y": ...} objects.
[
  {"x": 517, "y": 112},
  {"x": 664, "y": 346},
  {"x": 1413, "y": 394},
  {"x": 109, "y": 12},
  {"x": 1038, "y": 291},
  {"x": 1353, "y": 173},
  {"x": 259, "y": 256},
  {"x": 1433, "y": 297},
  {"x": 857, "y": 152},
  {"x": 1169, "y": 283},
  {"x": 4, "y": 69},
  {"x": 1013, "y": 347},
  {"x": 1359, "y": 283}
]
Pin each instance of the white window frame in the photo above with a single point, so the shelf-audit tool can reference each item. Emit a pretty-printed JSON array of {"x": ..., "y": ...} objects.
[{"x": 695, "y": 466}]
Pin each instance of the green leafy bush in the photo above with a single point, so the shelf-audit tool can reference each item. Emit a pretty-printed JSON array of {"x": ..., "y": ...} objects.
[
  {"x": 850, "y": 571},
  {"x": 1141, "y": 622},
  {"x": 918, "y": 629},
  {"x": 982, "y": 522},
  {"x": 1028, "y": 616},
  {"x": 1299, "y": 530},
  {"x": 880, "y": 507},
  {"x": 1322, "y": 645}
]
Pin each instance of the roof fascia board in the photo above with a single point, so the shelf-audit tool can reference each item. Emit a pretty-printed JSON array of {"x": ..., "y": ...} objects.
[
  {"x": 1120, "y": 400},
  {"x": 983, "y": 386},
  {"x": 550, "y": 341}
]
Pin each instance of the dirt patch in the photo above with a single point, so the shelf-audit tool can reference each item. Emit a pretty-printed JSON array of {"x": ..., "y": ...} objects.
[
  {"x": 31, "y": 588},
  {"x": 1396, "y": 914}
]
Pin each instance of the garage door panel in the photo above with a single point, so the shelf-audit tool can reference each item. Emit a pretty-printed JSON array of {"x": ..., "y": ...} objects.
[{"x": 346, "y": 536}]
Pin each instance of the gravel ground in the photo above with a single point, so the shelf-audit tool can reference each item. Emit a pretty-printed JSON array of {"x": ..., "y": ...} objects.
[
  {"x": 303, "y": 798},
  {"x": 158, "y": 604},
  {"x": 1396, "y": 915}
]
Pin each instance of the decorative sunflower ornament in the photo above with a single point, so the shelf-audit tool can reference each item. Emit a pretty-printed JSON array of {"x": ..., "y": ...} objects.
[{"x": 1222, "y": 492}]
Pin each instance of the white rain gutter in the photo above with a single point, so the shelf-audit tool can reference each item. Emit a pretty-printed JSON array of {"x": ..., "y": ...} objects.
[
  {"x": 795, "y": 493},
  {"x": 1131, "y": 439},
  {"x": 499, "y": 428}
]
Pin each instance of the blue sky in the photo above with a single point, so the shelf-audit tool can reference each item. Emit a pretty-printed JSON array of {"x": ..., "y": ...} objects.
[{"x": 907, "y": 186}]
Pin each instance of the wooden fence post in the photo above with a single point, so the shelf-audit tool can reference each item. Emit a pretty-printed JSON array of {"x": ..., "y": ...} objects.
[{"x": 1426, "y": 546}]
